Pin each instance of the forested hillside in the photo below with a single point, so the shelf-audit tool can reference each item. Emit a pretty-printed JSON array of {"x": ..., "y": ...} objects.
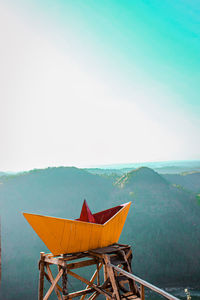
[
  {"x": 189, "y": 180},
  {"x": 163, "y": 224}
]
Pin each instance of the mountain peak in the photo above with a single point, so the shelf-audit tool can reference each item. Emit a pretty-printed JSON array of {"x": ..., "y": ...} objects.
[{"x": 142, "y": 175}]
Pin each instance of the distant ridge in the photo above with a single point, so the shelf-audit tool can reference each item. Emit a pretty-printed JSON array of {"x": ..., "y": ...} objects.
[{"x": 172, "y": 167}]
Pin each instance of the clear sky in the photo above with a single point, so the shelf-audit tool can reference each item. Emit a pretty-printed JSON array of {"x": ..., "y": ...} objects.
[{"x": 98, "y": 82}]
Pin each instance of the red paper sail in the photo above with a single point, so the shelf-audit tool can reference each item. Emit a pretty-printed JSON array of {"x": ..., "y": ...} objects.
[
  {"x": 86, "y": 215},
  {"x": 103, "y": 216},
  {"x": 98, "y": 218}
]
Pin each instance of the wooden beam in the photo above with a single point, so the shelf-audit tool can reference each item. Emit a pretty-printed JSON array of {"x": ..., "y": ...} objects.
[
  {"x": 60, "y": 262},
  {"x": 75, "y": 256},
  {"x": 47, "y": 277},
  {"x": 80, "y": 293},
  {"x": 98, "y": 289},
  {"x": 93, "y": 296},
  {"x": 128, "y": 253},
  {"x": 92, "y": 279},
  {"x": 81, "y": 264},
  {"x": 145, "y": 283},
  {"x": 52, "y": 281},
  {"x": 129, "y": 295},
  {"x": 54, "y": 261},
  {"x": 53, "y": 285},
  {"x": 98, "y": 277}
]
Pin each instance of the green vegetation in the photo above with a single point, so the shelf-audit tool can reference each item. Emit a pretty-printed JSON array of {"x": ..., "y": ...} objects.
[{"x": 198, "y": 198}]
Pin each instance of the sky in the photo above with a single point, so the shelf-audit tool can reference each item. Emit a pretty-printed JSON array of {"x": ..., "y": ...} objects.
[{"x": 86, "y": 83}]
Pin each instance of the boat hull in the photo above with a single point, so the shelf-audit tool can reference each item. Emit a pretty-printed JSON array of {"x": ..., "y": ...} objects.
[{"x": 68, "y": 236}]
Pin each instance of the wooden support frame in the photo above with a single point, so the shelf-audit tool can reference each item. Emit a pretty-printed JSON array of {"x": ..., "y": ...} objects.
[
  {"x": 114, "y": 263},
  {"x": 66, "y": 264}
]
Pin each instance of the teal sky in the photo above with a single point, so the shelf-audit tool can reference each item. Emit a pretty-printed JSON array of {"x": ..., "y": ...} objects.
[{"x": 128, "y": 73}]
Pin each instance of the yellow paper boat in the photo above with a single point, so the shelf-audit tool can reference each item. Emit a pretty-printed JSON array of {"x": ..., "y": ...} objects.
[{"x": 88, "y": 232}]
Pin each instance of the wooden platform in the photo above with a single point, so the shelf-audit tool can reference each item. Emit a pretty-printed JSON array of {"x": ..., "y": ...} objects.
[{"x": 106, "y": 280}]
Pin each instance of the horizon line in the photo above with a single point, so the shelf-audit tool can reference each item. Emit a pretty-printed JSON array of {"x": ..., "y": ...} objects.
[{"x": 104, "y": 166}]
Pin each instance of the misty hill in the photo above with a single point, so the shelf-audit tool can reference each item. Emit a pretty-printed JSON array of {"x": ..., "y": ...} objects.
[
  {"x": 2, "y": 174},
  {"x": 53, "y": 191},
  {"x": 109, "y": 172},
  {"x": 141, "y": 176},
  {"x": 165, "y": 226},
  {"x": 163, "y": 223},
  {"x": 190, "y": 181},
  {"x": 166, "y": 167}
]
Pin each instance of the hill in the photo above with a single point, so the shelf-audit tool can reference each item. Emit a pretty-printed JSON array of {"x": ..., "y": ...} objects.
[
  {"x": 2, "y": 174},
  {"x": 163, "y": 224},
  {"x": 188, "y": 180},
  {"x": 53, "y": 191},
  {"x": 164, "y": 227}
]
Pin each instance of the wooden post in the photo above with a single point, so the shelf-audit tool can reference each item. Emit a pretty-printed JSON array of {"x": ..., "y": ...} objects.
[
  {"x": 132, "y": 284},
  {"x": 64, "y": 283},
  {"x": 41, "y": 277},
  {"x": 142, "y": 292},
  {"x": 105, "y": 273},
  {"x": 98, "y": 277},
  {"x": 111, "y": 275}
]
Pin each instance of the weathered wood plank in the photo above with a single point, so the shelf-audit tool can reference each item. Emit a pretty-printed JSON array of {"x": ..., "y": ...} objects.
[
  {"x": 81, "y": 264},
  {"x": 109, "y": 249},
  {"x": 54, "y": 261},
  {"x": 68, "y": 257}
]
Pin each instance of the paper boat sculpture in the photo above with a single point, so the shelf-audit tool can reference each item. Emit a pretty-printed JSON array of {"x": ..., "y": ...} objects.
[{"x": 88, "y": 232}]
